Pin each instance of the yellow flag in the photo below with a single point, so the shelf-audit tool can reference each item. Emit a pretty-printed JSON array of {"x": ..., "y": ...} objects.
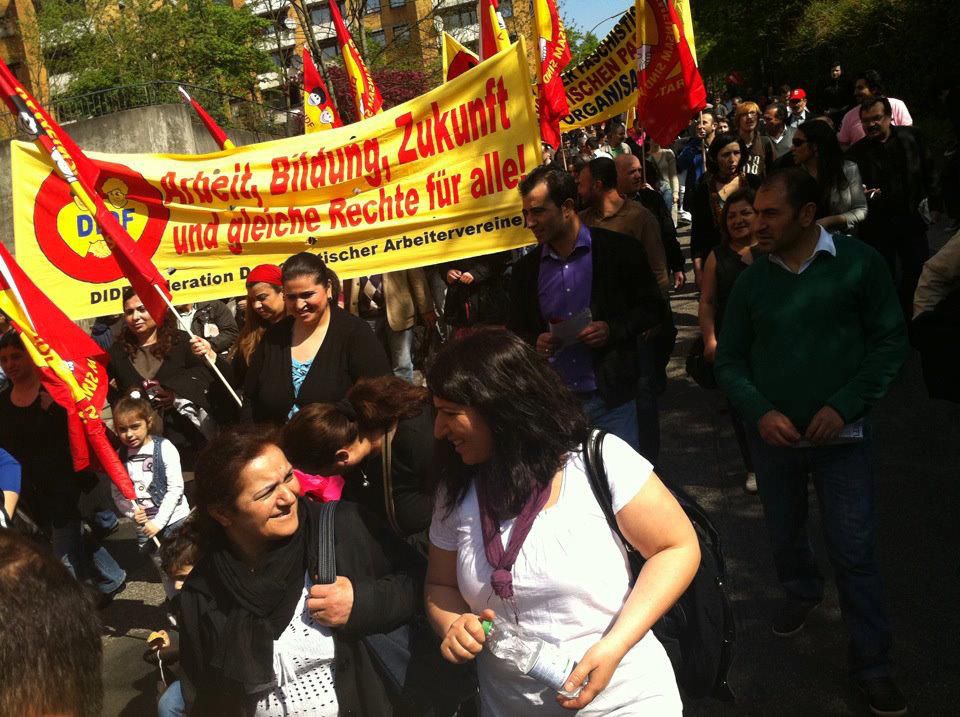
[
  {"x": 683, "y": 10},
  {"x": 457, "y": 59}
]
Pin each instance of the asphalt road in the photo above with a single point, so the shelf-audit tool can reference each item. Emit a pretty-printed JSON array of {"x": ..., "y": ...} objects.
[{"x": 917, "y": 448}]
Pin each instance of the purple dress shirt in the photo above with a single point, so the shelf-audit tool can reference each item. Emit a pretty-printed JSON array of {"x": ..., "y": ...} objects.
[{"x": 564, "y": 289}]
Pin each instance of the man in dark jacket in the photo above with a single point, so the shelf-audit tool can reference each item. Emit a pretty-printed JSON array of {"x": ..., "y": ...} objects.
[
  {"x": 895, "y": 172},
  {"x": 583, "y": 298}
]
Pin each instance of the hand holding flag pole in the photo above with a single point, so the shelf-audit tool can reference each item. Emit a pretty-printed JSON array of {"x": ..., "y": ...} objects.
[{"x": 210, "y": 362}]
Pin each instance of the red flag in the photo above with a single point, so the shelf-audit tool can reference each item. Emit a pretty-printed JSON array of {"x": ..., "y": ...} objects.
[
  {"x": 219, "y": 136},
  {"x": 83, "y": 176},
  {"x": 554, "y": 56},
  {"x": 319, "y": 112},
  {"x": 493, "y": 30},
  {"x": 670, "y": 89},
  {"x": 365, "y": 93},
  {"x": 73, "y": 369}
]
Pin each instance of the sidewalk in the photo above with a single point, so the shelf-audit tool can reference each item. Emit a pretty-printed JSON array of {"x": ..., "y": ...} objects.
[{"x": 917, "y": 449}]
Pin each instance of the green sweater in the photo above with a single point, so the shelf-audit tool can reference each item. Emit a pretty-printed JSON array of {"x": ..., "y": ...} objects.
[{"x": 833, "y": 335}]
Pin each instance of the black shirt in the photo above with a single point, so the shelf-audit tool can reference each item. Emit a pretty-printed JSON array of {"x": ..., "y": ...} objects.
[{"x": 349, "y": 352}]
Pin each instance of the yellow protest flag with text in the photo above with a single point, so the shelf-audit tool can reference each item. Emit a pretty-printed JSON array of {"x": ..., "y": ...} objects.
[{"x": 431, "y": 180}]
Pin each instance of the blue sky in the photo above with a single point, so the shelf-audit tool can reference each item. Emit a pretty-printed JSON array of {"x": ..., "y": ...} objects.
[{"x": 588, "y": 13}]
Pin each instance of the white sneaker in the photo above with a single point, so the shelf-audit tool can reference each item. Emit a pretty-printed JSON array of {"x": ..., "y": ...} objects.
[{"x": 750, "y": 486}]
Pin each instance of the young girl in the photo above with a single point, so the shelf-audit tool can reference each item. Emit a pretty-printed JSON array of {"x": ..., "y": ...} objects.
[{"x": 154, "y": 467}]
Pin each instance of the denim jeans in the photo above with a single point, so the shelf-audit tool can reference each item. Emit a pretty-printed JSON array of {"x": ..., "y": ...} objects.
[
  {"x": 845, "y": 490},
  {"x": 620, "y": 420},
  {"x": 171, "y": 702},
  {"x": 399, "y": 345},
  {"x": 87, "y": 559}
]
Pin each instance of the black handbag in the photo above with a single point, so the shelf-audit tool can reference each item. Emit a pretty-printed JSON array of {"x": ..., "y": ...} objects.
[
  {"x": 698, "y": 368},
  {"x": 419, "y": 680}
]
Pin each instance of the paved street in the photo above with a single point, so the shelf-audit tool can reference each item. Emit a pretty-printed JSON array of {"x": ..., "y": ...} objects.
[{"x": 917, "y": 445}]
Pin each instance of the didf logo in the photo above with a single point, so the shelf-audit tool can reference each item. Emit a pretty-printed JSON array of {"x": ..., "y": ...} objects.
[{"x": 70, "y": 238}]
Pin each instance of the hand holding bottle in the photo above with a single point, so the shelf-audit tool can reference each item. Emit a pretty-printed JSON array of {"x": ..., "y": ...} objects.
[
  {"x": 595, "y": 669},
  {"x": 464, "y": 639}
]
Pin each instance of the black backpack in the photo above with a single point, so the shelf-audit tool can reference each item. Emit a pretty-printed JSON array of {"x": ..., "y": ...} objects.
[{"x": 698, "y": 632}]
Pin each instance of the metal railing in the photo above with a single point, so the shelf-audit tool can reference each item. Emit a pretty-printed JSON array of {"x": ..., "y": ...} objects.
[{"x": 230, "y": 111}]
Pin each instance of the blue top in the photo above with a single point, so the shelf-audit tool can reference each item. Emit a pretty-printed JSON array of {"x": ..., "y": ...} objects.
[
  {"x": 9, "y": 472},
  {"x": 298, "y": 372},
  {"x": 564, "y": 288}
]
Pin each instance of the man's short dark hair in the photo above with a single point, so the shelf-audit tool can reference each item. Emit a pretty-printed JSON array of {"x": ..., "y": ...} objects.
[
  {"x": 561, "y": 186},
  {"x": 800, "y": 187},
  {"x": 50, "y": 650},
  {"x": 711, "y": 112},
  {"x": 868, "y": 104},
  {"x": 873, "y": 81},
  {"x": 613, "y": 127},
  {"x": 780, "y": 109},
  {"x": 603, "y": 170}
]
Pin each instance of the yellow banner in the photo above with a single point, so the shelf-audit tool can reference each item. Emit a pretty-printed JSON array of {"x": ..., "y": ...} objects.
[
  {"x": 430, "y": 180},
  {"x": 605, "y": 83}
]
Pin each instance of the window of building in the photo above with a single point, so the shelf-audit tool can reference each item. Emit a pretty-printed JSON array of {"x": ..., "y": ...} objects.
[
  {"x": 373, "y": 5},
  {"x": 330, "y": 52},
  {"x": 320, "y": 15},
  {"x": 401, "y": 33},
  {"x": 463, "y": 16},
  {"x": 398, "y": 3},
  {"x": 506, "y": 8},
  {"x": 377, "y": 36}
]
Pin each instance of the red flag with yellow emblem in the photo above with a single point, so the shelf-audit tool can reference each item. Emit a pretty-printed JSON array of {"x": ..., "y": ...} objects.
[
  {"x": 670, "y": 89},
  {"x": 365, "y": 93},
  {"x": 73, "y": 369},
  {"x": 84, "y": 179},
  {"x": 554, "y": 56}
]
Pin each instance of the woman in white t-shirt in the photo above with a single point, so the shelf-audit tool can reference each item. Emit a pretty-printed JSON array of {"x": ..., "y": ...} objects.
[{"x": 513, "y": 435}]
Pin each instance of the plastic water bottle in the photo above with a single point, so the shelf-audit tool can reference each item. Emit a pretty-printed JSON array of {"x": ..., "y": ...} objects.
[{"x": 542, "y": 661}]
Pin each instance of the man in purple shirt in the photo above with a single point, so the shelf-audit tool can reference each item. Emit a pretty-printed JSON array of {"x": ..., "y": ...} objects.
[{"x": 578, "y": 269}]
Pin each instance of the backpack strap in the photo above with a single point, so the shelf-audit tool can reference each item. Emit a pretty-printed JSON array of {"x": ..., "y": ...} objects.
[
  {"x": 390, "y": 507},
  {"x": 326, "y": 554},
  {"x": 600, "y": 485}
]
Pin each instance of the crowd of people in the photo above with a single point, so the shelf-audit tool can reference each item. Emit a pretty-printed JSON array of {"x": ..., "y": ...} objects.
[{"x": 410, "y": 453}]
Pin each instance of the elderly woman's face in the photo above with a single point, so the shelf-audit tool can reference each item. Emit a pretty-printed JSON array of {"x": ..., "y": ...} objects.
[{"x": 266, "y": 508}]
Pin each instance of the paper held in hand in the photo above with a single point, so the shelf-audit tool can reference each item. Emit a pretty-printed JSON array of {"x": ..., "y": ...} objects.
[
  {"x": 850, "y": 433},
  {"x": 568, "y": 331}
]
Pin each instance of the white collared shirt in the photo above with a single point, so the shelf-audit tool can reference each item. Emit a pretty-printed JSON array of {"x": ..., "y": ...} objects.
[{"x": 824, "y": 243}]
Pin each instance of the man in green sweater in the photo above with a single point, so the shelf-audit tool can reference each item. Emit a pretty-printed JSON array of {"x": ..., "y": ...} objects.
[{"x": 812, "y": 337}]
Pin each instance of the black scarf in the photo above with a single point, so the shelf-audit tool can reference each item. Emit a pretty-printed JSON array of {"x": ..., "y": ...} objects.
[{"x": 261, "y": 604}]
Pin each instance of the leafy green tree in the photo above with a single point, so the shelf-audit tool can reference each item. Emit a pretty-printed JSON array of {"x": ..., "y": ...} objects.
[
  {"x": 102, "y": 44},
  {"x": 581, "y": 43}
]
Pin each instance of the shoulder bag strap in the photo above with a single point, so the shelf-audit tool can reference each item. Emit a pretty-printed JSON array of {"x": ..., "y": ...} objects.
[
  {"x": 326, "y": 554},
  {"x": 600, "y": 485},
  {"x": 386, "y": 457}
]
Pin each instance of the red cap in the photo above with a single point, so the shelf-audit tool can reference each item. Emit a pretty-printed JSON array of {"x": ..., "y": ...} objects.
[
  {"x": 797, "y": 94},
  {"x": 266, "y": 273}
]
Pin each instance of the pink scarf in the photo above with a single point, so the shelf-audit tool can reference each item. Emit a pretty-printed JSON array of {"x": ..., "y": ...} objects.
[{"x": 323, "y": 488}]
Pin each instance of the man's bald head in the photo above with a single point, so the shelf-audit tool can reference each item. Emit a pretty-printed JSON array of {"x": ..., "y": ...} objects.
[{"x": 629, "y": 174}]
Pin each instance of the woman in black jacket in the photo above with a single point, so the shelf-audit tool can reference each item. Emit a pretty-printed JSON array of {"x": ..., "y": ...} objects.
[
  {"x": 380, "y": 439},
  {"x": 314, "y": 355},
  {"x": 159, "y": 361},
  {"x": 259, "y": 635}
]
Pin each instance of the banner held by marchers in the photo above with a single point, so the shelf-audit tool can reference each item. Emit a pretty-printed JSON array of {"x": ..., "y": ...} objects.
[{"x": 431, "y": 180}]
